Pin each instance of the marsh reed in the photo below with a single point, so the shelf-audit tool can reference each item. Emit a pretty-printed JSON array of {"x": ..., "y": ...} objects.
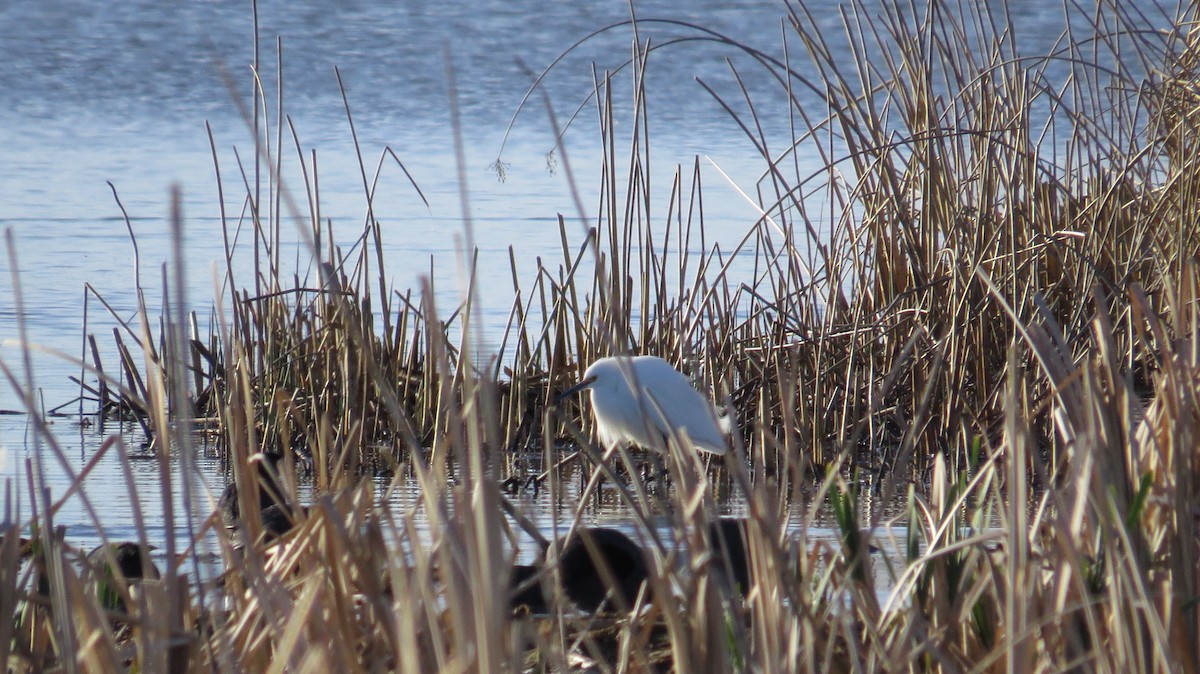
[{"x": 994, "y": 319}]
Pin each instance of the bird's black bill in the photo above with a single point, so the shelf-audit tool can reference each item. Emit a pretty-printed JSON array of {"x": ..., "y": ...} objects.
[{"x": 575, "y": 389}]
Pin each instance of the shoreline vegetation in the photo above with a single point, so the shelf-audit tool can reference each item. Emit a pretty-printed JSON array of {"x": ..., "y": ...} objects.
[{"x": 990, "y": 310}]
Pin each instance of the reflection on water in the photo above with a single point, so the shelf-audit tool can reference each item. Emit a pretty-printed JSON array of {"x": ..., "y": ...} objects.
[
  {"x": 116, "y": 492},
  {"x": 111, "y": 488}
]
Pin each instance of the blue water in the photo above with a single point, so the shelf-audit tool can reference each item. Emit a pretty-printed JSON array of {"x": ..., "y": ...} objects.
[{"x": 122, "y": 92}]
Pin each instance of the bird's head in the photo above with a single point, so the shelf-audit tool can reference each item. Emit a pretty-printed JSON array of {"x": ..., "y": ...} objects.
[
  {"x": 584, "y": 384},
  {"x": 599, "y": 372}
]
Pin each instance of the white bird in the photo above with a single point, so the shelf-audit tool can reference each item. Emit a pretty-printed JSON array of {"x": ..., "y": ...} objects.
[{"x": 664, "y": 403}]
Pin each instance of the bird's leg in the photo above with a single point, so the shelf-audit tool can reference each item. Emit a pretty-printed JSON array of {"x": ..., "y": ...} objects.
[
  {"x": 660, "y": 468},
  {"x": 658, "y": 475},
  {"x": 659, "y": 464}
]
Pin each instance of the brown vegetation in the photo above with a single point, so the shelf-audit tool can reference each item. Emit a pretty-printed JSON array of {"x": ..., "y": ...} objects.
[{"x": 1006, "y": 319}]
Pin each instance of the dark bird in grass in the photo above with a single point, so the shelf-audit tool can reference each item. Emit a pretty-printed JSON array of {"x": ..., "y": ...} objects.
[
  {"x": 125, "y": 562},
  {"x": 525, "y": 590},
  {"x": 730, "y": 553},
  {"x": 128, "y": 560},
  {"x": 611, "y": 571},
  {"x": 277, "y": 512},
  {"x": 613, "y": 556},
  {"x": 270, "y": 489},
  {"x": 280, "y": 518},
  {"x": 583, "y": 580},
  {"x": 583, "y": 571}
]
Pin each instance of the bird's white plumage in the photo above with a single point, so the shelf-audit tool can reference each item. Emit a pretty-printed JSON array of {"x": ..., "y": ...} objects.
[{"x": 665, "y": 403}]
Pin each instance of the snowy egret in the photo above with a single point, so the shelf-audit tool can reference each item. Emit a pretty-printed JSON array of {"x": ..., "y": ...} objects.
[{"x": 643, "y": 400}]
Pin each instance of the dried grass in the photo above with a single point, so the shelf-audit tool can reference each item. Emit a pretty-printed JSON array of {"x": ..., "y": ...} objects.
[{"x": 1006, "y": 321}]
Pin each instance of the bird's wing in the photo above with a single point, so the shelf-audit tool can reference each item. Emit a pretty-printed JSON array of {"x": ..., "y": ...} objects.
[{"x": 683, "y": 408}]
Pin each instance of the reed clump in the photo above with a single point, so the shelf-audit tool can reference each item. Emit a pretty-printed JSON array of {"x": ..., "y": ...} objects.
[{"x": 998, "y": 323}]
